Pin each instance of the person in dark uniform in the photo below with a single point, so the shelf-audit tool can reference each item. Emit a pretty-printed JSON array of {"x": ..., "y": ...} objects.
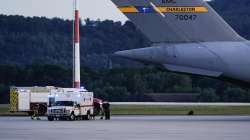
[
  {"x": 35, "y": 113},
  {"x": 102, "y": 113},
  {"x": 106, "y": 110},
  {"x": 97, "y": 107}
]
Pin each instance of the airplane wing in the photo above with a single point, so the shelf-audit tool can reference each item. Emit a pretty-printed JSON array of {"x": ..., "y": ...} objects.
[{"x": 177, "y": 21}]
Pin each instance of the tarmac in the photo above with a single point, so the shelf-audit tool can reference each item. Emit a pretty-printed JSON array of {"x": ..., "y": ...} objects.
[{"x": 128, "y": 128}]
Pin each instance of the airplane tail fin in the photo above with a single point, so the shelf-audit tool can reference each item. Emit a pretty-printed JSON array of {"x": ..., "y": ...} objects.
[{"x": 175, "y": 21}]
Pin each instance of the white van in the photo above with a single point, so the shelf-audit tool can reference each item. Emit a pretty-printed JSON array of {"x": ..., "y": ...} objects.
[{"x": 70, "y": 104}]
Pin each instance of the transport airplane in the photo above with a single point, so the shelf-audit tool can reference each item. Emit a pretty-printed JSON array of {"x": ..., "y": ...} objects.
[{"x": 188, "y": 37}]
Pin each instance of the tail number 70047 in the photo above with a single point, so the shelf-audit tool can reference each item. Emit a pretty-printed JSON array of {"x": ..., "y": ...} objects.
[{"x": 186, "y": 17}]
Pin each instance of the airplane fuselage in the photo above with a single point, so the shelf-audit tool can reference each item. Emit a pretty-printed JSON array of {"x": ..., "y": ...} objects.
[
  {"x": 214, "y": 59},
  {"x": 189, "y": 36}
]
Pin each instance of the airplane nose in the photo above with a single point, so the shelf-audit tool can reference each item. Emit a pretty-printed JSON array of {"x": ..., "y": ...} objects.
[
  {"x": 135, "y": 54},
  {"x": 143, "y": 54},
  {"x": 125, "y": 54}
]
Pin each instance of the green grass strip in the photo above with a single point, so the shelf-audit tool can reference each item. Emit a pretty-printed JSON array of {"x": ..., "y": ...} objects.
[
  {"x": 179, "y": 110},
  {"x": 161, "y": 110}
]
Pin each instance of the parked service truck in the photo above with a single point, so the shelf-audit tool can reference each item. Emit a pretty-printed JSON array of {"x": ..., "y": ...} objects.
[
  {"x": 79, "y": 101},
  {"x": 25, "y": 99},
  {"x": 70, "y": 104}
]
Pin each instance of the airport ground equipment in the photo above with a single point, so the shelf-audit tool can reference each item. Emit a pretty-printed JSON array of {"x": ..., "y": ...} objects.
[
  {"x": 25, "y": 99},
  {"x": 70, "y": 104}
]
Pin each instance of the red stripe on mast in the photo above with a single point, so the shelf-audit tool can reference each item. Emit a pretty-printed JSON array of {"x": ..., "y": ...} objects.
[
  {"x": 77, "y": 33},
  {"x": 77, "y": 84}
]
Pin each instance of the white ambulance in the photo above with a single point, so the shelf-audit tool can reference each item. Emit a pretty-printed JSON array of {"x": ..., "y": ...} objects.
[{"x": 70, "y": 104}]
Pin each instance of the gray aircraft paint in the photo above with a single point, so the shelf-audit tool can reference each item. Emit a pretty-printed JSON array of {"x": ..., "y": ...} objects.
[
  {"x": 207, "y": 46},
  {"x": 227, "y": 59}
]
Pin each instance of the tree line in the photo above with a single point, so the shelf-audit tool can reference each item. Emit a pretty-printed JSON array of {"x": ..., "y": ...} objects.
[{"x": 121, "y": 84}]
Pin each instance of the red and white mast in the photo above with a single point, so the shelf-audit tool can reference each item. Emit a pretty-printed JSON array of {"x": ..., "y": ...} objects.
[{"x": 76, "y": 54}]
